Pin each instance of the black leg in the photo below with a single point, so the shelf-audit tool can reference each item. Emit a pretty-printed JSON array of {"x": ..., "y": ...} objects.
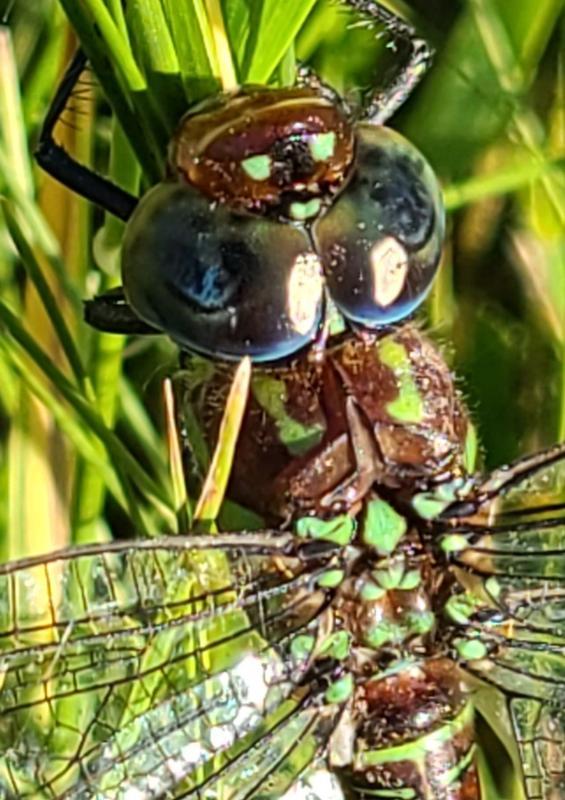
[
  {"x": 57, "y": 162},
  {"x": 111, "y": 313},
  {"x": 383, "y": 102}
]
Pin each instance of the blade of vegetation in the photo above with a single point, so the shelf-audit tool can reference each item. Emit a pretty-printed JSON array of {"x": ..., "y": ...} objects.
[{"x": 214, "y": 488}]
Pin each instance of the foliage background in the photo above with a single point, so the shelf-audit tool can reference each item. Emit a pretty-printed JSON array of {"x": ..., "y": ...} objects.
[{"x": 82, "y": 446}]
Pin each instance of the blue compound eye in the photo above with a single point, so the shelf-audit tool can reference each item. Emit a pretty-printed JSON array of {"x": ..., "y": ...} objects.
[
  {"x": 219, "y": 282},
  {"x": 380, "y": 241}
]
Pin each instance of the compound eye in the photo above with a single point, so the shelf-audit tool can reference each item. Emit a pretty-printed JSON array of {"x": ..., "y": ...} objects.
[
  {"x": 218, "y": 282},
  {"x": 380, "y": 241}
]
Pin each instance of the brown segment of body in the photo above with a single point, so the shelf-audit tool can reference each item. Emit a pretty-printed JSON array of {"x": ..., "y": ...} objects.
[
  {"x": 346, "y": 394},
  {"x": 322, "y": 435},
  {"x": 414, "y": 702}
]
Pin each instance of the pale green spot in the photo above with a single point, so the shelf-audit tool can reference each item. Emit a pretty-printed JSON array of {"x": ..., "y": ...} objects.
[
  {"x": 408, "y": 406},
  {"x": 458, "y": 610},
  {"x": 454, "y": 773},
  {"x": 461, "y": 607},
  {"x": 471, "y": 448},
  {"x": 302, "y": 211},
  {"x": 399, "y": 793},
  {"x": 340, "y": 691},
  {"x": 418, "y": 750},
  {"x": 322, "y": 146},
  {"x": 331, "y": 578},
  {"x": 371, "y": 592},
  {"x": 454, "y": 543},
  {"x": 383, "y": 527},
  {"x": 420, "y": 622},
  {"x": 337, "y": 645},
  {"x": 390, "y": 577},
  {"x": 411, "y": 580},
  {"x": 339, "y": 530},
  {"x": 449, "y": 491},
  {"x": 257, "y": 167},
  {"x": 493, "y": 587},
  {"x": 383, "y": 633},
  {"x": 395, "y": 668},
  {"x": 471, "y": 650},
  {"x": 427, "y": 505},
  {"x": 302, "y": 646},
  {"x": 271, "y": 395}
]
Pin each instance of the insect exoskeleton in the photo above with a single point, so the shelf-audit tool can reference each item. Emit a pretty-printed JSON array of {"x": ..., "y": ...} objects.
[{"x": 273, "y": 200}]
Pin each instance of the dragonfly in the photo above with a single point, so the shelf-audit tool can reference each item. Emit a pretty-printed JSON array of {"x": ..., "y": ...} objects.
[{"x": 337, "y": 651}]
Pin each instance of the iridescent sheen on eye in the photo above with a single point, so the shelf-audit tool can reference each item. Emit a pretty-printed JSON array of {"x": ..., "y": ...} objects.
[
  {"x": 221, "y": 282},
  {"x": 380, "y": 240}
]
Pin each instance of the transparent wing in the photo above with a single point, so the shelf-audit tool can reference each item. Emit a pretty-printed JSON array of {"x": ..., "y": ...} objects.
[
  {"x": 512, "y": 558},
  {"x": 137, "y": 669}
]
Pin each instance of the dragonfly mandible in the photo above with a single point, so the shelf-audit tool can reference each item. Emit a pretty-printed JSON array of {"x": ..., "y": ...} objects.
[{"x": 335, "y": 653}]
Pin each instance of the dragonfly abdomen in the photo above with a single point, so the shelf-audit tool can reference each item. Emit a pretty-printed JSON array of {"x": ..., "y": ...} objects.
[{"x": 415, "y": 739}]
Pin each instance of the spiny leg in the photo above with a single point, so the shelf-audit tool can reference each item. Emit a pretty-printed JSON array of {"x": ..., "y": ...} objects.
[
  {"x": 111, "y": 313},
  {"x": 54, "y": 159},
  {"x": 383, "y": 102}
]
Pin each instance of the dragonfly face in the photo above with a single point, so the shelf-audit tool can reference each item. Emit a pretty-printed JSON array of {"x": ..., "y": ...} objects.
[{"x": 273, "y": 200}]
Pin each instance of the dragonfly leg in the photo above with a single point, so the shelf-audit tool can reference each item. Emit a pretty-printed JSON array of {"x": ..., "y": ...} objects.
[
  {"x": 368, "y": 462},
  {"x": 383, "y": 101},
  {"x": 55, "y": 160},
  {"x": 309, "y": 78},
  {"x": 111, "y": 313}
]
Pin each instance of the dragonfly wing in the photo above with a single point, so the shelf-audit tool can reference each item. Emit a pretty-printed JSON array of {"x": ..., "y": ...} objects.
[
  {"x": 315, "y": 783},
  {"x": 513, "y": 566},
  {"x": 130, "y": 665},
  {"x": 279, "y": 764}
]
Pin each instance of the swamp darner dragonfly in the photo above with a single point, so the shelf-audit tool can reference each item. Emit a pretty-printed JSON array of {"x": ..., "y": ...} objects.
[{"x": 337, "y": 653}]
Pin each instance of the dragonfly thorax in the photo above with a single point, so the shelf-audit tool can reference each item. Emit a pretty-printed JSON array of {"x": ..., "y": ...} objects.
[{"x": 387, "y": 610}]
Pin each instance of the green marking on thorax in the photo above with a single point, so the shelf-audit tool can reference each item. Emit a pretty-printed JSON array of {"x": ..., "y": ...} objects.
[
  {"x": 418, "y": 749},
  {"x": 411, "y": 580},
  {"x": 454, "y": 543},
  {"x": 389, "y": 577},
  {"x": 322, "y": 146},
  {"x": 337, "y": 645},
  {"x": 271, "y": 395},
  {"x": 460, "y": 607},
  {"x": 257, "y": 167},
  {"x": 301, "y": 646},
  {"x": 385, "y": 632},
  {"x": 471, "y": 449},
  {"x": 427, "y": 505},
  {"x": 408, "y": 406},
  {"x": 371, "y": 592},
  {"x": 383, "y": 527},
  {"x": 302, "y": 211},
  {"x": 420, "y": 622},
  {"x": 340, "y": 529},
  {"x": 331, "y": 578},
  {"x": 471, "y": 649},
  {"x": 393, "y": 794},
  {"x": 493, "y": 587},
  {"x": 340, "y": 691}
]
